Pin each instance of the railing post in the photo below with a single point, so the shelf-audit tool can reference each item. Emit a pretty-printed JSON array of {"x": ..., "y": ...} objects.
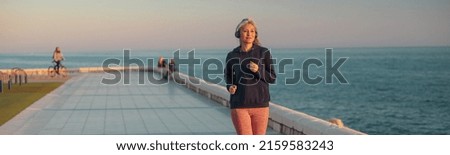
[
  {"x": 20, "y": 79},
  {"x": 26, "y": 79},
  {"x": 9, "y": 84},
  {"x": 1, "y": 86},
  {"x": 15, "y": 78}
]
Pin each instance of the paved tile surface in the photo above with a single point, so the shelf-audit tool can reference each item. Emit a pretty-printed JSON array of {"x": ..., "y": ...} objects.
[{"x": 83, "y": 105}]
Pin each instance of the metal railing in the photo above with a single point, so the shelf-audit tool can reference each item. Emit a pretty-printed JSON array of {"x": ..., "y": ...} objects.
[{"x": 4, "y": 77}]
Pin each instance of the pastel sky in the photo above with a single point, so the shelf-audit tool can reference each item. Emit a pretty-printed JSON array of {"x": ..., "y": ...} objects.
[{"x": 98, "y": 25}]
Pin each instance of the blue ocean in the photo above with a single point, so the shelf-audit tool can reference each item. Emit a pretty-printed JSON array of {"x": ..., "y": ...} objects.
[{"x": 389, "y": 91}]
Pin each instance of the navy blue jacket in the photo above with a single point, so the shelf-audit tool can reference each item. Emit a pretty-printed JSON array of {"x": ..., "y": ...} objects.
[{"x": 252, "y": 88}]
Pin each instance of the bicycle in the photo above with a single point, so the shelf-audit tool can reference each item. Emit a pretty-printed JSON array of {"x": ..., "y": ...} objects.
[{"x": 52, "y": 72}]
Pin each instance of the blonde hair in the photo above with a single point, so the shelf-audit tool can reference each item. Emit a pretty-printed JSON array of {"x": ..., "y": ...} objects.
[
  {"x": 57, "y": 50},
  {"x": 244, "y": 22}
]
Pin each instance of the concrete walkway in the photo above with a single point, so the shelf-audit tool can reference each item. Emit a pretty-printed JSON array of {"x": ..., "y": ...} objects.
[{"x": 85, "y": 106}]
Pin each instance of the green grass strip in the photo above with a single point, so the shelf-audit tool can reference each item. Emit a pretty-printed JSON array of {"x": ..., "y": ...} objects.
[{"x": 20, "y": 97}]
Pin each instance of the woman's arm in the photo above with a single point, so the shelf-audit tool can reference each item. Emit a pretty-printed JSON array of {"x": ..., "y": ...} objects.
[
  {"x": 267, "y": 71},
  {"x": 228, "y": 72}
]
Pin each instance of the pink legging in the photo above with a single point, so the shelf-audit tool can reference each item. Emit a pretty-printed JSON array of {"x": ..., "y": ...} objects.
[{"x": 250, "y": 121}]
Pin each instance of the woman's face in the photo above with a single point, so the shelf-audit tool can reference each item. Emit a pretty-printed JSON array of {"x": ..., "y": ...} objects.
[{"x": 248, "y": 33}]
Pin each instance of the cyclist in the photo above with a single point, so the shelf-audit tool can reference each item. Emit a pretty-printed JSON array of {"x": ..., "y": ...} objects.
[{"x": 57, "y": 58}]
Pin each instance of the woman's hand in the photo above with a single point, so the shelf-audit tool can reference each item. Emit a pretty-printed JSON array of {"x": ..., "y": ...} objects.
[
  {"x": 232, "y": 89},
  {"x": 253, "y": 67}
]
